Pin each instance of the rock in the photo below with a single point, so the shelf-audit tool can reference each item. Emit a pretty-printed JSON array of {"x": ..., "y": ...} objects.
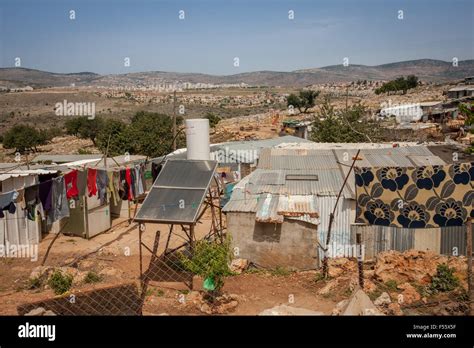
[
  {"x": 409, "y": 294},
  {"x": 239, "y": 265},
  {"x": 49, "y": 313},
  {"x": 194, "y": 297},
  {"x": 360, "y": 304},
  {"x": 369, "y": 286},
  {"x": 41, "y": 272},
  {"x": 394, "y": 309},
  {"x": 36, "y": 312},
  {"x": 205, "y": 308},
  {"x": 383, "y": 299},
  {"x": 414, "y": 266},
  {"x": 287, "y": 310},
  {"x": 340, "y": 307},
  {"x": 226, "y": 307}
]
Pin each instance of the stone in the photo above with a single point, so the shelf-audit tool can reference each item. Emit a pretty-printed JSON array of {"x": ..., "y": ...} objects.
[
  {"x": 360, "y": 304},
  {"x": 49, "y": 313},
  {"x": 394, "y": 309},
  {"x": 239, "y": 265},
  {"x": 383, "y": 299},
  {"x": 287, "y": 310},
  {"x": 340, "y": 307},
  {"x": 226, "y": 307},
  {"x": 36, "y": 312},
  {"x": 409, "y": 294},
  {"x": 369, "y": 286}
]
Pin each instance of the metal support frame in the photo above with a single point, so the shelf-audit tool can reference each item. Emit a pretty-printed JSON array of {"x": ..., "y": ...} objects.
[{"x": 212, "y": 202}]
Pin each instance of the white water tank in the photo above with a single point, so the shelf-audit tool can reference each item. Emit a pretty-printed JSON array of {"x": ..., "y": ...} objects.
[{"x": 197, "y": 139}]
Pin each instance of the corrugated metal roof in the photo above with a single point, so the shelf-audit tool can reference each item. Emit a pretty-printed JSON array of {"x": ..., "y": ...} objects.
[
  {"x": 328, "y": 184},
  {"x": 20, "y": 173}
]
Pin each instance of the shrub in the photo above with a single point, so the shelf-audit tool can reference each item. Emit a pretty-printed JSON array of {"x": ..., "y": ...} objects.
[
  {"x": 444, "y": 280},
  {"x": 22, "y": 138},
  {"x": 34, "y": 283},
  {"x": 92, "y": 277},
  {"x": 210, "y": 260},
  {"x": 60, "y": 283}
]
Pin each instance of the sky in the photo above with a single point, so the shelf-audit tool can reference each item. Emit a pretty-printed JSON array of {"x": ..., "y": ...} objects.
[{"x": 214, "y": 32}]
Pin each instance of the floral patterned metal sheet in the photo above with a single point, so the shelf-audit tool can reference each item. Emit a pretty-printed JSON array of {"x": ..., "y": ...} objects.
[{"x": 418, "y": 197}]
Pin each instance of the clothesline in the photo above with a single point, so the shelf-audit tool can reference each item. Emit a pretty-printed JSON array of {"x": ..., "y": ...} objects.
[{"x": 50, "y": 197}]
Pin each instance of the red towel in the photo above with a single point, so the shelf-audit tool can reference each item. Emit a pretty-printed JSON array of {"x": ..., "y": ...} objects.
[
  {"x": 70, "y": 180},
  {"x": 128, "y": 177},
  {"x": 91, "y": 182}
]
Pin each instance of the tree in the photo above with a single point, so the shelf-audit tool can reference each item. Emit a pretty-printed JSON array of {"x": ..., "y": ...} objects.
[
  {"x": 347, "y": 126},
  {"x": 399, "y": 84},
  {"x": 305, "y": 100},
  {"x": 22, "y": 138},
  {"x": 213, "y": 119},
  {"x": 112, "y": 138},
  {"x": 84, "y": 127},
  {"x": 149, "y": 134}
]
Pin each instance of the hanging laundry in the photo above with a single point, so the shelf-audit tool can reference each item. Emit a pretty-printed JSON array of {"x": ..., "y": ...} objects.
[
  {"x": 128, "y": 178},
  {"x": 111, "y": 188},
  {"x": 31, "y": 201},
  {"x": 71, "y": 184},
  {"x": 92, "y": 182},
  {"x": 60, "y": 201},
  {"x": 133, "y": 183},
  {"x": 21, "y": 198},
  {"x": 46, "y": 194},
  {"x": 155, "y": 170},
  {"x": 7, "y": 202},
  {"x": 139, "y": 175},
  {"x": 102, "y": 183},
  {"x": 82, "y": 182},
  {"x": 123, "y": 185}
]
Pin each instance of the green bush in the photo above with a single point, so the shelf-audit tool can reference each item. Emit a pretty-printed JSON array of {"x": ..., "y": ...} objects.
[
  {"x": 210, "y": 260},
  {"x": 34, "y": 283},
  {"x": 59, "y": 282},
  {"x": 23, "y": 137},
  {"x": 444, "y": 280},
  {"x": 92, "y": 277}
]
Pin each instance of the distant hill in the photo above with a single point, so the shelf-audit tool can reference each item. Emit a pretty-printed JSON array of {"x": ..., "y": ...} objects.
[
  {"x": 426, "y": 69},
  {"x": 17, "y": 77}
]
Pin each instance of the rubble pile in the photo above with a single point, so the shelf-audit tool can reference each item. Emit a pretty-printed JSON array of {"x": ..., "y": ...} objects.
[{"x": 415, "y": 266}]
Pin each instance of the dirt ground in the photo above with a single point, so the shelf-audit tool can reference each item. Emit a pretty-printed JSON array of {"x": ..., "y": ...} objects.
[{"x": 115, "y": 256}]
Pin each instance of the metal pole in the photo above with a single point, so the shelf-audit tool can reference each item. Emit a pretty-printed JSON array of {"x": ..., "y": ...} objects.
[{"x": 174, "y": 120}]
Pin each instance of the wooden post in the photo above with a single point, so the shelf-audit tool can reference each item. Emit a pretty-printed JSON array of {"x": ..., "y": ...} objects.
[{"x": 469, "y": 263}]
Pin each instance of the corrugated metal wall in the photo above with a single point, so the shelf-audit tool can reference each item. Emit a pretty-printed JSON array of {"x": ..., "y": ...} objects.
[
  {"x": 447, "y": 241},
  {"x": 341, "y": 228}
]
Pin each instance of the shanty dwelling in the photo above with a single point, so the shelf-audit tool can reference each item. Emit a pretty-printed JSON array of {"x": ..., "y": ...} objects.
[
  {"x": 90, "y": 216},
  {"x": 310, "y": 179},
  {"x": 16, "y": 228},
  {"x": 461, "y": 91}
]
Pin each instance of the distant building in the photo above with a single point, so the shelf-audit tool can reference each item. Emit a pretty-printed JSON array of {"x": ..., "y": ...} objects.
[
  {"x": 469, "y": 80},
  {"x": 461, "y": 91}
]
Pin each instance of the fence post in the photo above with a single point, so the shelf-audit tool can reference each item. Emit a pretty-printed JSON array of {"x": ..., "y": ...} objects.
[
  {"x": 469, "y": 264},
  {"x": 359, "y": 259}
]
